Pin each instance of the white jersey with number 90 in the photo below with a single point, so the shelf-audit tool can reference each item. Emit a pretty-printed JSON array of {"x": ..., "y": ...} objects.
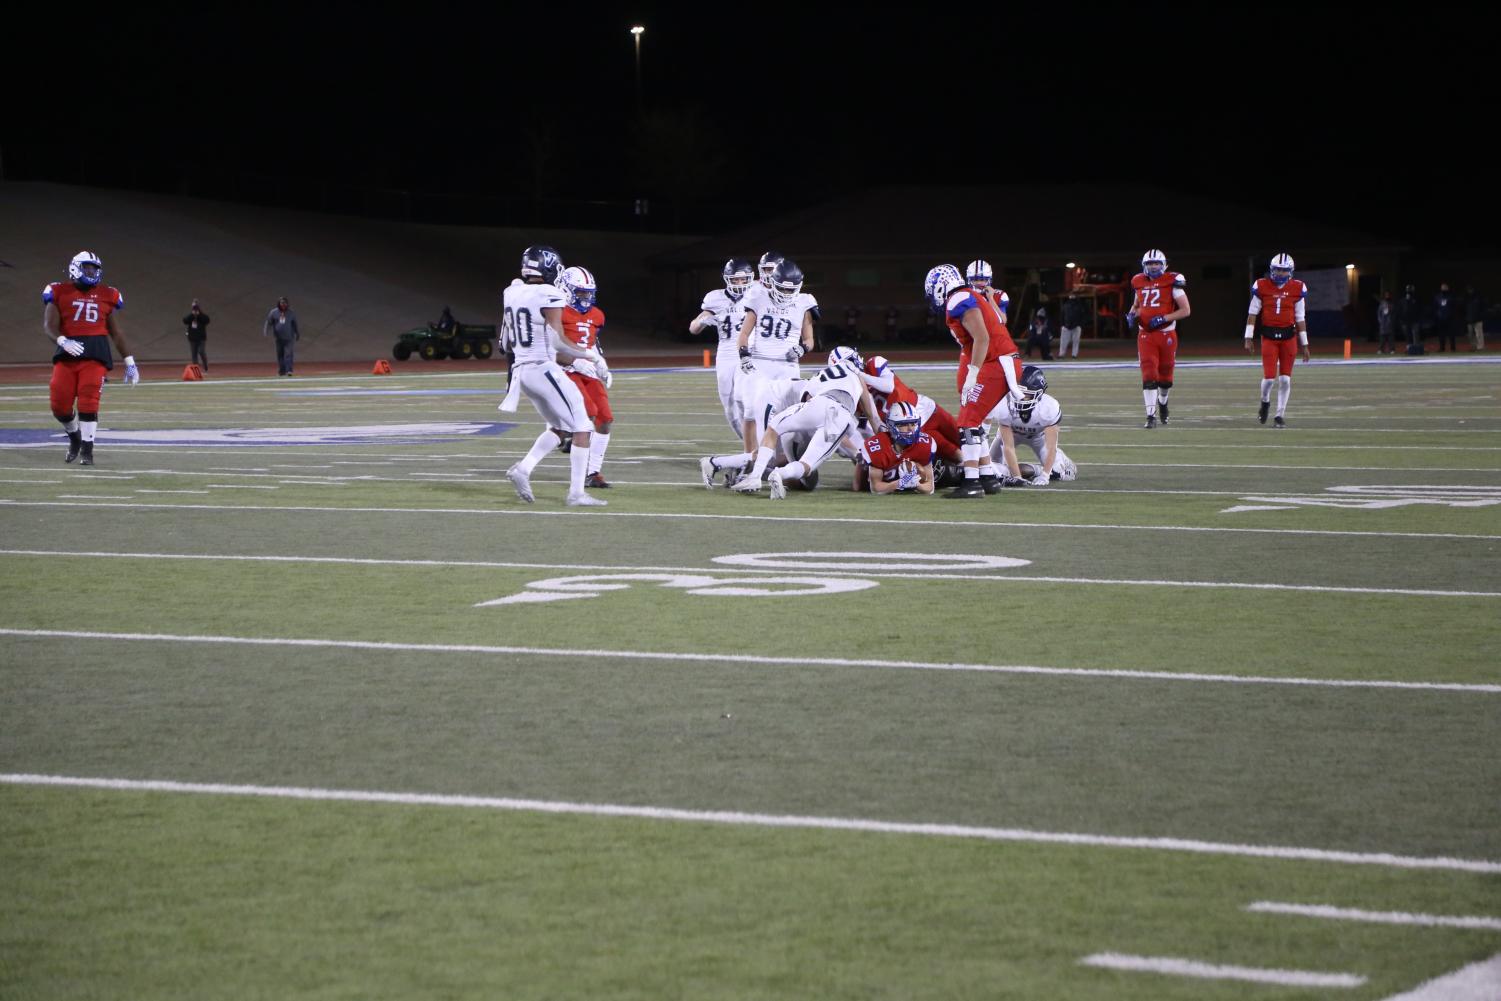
[{"x": 524, "y": 330}]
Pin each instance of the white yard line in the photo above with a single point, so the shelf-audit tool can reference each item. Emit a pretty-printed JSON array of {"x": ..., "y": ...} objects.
[
  {"x": 1172, "y": 966},
  {"x": 108, "y": 497},
  {"x": 884, "y": 522},
  {"x": 1119, "y": 674},
  {"x": 1375, "y": 917},
  {"x": 144, "y": 491},
  {"x": 763, "y": 820},
  {"x": 999, "y": 578},
  {"x": 1477, "y": 982}
]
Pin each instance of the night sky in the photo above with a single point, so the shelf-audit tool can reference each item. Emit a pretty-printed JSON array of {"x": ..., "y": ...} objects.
[{"x": 1360, "y": 119}]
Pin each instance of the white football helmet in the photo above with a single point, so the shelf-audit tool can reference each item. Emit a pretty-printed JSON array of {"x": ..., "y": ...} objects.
[
  {"x": 979, "y": 274},
  {"x": 845, "y": 354},
  {"x": 768, "y": 264},
  {"x": 79, "y": 268},
  {"x": 580, "y": 287},
  {"x": 939, "y": 283},
  {"x": 1151, "y": 258},
  {"x": 904, "y": 422},
  {"x": 1282, "y": 268}
]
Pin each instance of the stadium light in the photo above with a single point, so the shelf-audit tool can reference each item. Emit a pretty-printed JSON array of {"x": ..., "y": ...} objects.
[
  {"x": 636, "y": 32},
  {"x": 1070, "y": 265},
  {"x": 1349, "y": 267}
]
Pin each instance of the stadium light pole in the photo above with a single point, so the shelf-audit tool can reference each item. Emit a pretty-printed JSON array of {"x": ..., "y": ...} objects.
[{"x": 636, "y": 33}]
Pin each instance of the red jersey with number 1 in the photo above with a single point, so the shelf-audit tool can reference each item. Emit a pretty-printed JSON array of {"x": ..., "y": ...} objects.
[{"x": 1279, "y": 303}]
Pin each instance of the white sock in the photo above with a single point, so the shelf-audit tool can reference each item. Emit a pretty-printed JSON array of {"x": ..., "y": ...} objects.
[
  {"x": 86, "y": 429},
  {"x": 987, "y": 468},
  {"x": 738, "y": 461},
  {"x": 763, "y": 459},
  {"x": 546, "y": 442},
  {"x": 1284, "y": 390},
  {"x": 1149, "y": 396},
  {"x": 1162, "y": 395},
  {"x": 973, "y": 455},
  {"x": 597, "y": 444},
  {"x": 795, "y": 470},
  {"x": 1266, "y": 390},
  {"x": 578, "y": 462},
  {"x": 71, "y": 425}
]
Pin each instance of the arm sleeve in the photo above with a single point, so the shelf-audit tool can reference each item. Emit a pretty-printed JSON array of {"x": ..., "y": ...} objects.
[{"x": 1300, "y": 312}]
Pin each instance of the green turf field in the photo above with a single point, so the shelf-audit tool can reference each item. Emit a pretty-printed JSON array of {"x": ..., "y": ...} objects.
[{"x": 1237, "y": 666}]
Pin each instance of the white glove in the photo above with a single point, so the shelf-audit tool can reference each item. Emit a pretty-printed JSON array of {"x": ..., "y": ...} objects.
[
  {"x": 796, "y": 351},
  {"x": 68, "y": 344},
  {"x": 605, "y": 375},
  {"x": 746, "y": 365},
  {"x": 909, "y": 475},
  {"x": 132, "y": 374},
  {"x": 1040, "y": 480},
  {"x": 971, "y": 378},
  {"x": 593, "y": 357}
]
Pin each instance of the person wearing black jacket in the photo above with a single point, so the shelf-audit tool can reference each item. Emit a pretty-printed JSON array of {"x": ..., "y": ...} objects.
[
  {"x": 1445, "y": 317},
  {"x": 1072, "y": 325},
  {"x": 1040, "y": 335},
  {"x": 1474, "y": 319},
  {"x": 196, "y": 324},
  {"x": 1410, "y": 316}
]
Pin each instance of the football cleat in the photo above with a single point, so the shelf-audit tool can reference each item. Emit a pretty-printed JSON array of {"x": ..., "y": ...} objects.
[
  {"x": 86, "y": 456},
  {"x": 969, "y": 488},
  {"x": 778, "y": 488},
  {"x": 786, "y": 282},
  {"x": 1162, "y": 410},
  {"x": 579, "y": 285},
  {"x": 594, "y": 481},
  {"x": 939, "y": 282},
  {"x": 521, "y": 482},
  {"x": 738, "y": 274},
  {"x": 85, "y": 269},
  {"x": 1151, "y": 422},
  {"x": 75, "y": 445},
  {"x": 990, "y": 484},
  {"x": 1261, "y": 412},
  {"x": 584, "y": 500},
  {"x": 541, "y": 262},
  {"x": 1278, "y": 422},
  {"x": 746, "y": 485},
  {"x": 1154, "y": 263},
  {"x": 706, "y": 470}
]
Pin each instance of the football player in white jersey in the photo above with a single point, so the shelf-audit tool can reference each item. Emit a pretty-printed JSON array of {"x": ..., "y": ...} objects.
[
  {"x": 767, "y": 264},
  {"x": 770, "y": 397},
  {"x": 827, "y": 417},
  {"x": 533, "y": 332},
  {"x": 724, "y": 309},
  {"x": 776, "y": 332},
  {"x": 1032, "y": 420}
]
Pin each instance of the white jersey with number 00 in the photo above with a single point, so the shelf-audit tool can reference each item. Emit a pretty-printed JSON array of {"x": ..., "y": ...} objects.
[{"x": 524, "y": 329}]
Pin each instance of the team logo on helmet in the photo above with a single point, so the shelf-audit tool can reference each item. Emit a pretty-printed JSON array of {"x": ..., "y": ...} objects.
[
  {"x": 541, "y": 262},
  {"x": 86, "y": 268},
  {"x": 738, "y": 274},
  {"x": 905, "y": 424},
  {"x": 1154, "y": 263},
  {"x": 939, "y": 283},
  {"x": 578, "y": 284}
]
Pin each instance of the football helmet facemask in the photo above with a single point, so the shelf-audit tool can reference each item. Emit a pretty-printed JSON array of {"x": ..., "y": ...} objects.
[
  {"x": 580, "y": 287},
  {"x": 85, "y": 268},
  {"x": 738, "y": 275},
  {"x": 1282, "y": 269},
  {"x": 979, "y": 274},
  {"x": 1154, "y": 263},
  {"x": 1034, "y": 383},
  {"x": 786, "y": 282}
]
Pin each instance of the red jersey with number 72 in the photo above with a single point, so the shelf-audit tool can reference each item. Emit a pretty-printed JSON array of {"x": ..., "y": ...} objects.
[{"x": 1154, "y": 297}]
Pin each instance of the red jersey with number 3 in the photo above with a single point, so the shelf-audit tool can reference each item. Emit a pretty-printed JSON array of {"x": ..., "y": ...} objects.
[
  {"x": 1154, "y": 297},
  {"x": 961, "y": 301},
  {"x": 582, "y": 329},
  {"x": 82, "y": 313}
]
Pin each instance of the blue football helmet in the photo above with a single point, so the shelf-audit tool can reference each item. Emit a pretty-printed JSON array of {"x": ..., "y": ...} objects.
[
  {"x": 578, "y": 283},
  {"x": 1154, "y": 263},
  {"x": 1034, "y": 383},
  {"x": 86, "y": 268},
  {"x": 1282, "y": 269},
  {"x": 768, "y": 264},
  {"x": 738, "y": 274},
  {"x": 786, "y": 282},
  {"x": 542, "y": 262},
  {"x": 940, "y": 282},
  {"x": 905, "y": 423}
]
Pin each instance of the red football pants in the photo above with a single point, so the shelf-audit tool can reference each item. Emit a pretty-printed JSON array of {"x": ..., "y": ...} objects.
[
  {"x": 80, "y": 379},
  {"x": 1275, "y": 354},
  {"x": 1157, "y": 350}
]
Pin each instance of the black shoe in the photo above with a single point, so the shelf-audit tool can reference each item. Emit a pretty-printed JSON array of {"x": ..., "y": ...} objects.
[
  {"x": 1151, "y": 422},
  {"x": 1278, "y": 422},
  {"x": 567, "y": 445},
  {"x": 75, "y": 443},
  {"x": 1162, "y": 410},
  {"x": 1261, "y": 413},
  {"x": 969, "y": 488},
  {"x": 594, "y": 481},
  {"x": 990, "y": 484},
  {"x": 86, "y": 458}
]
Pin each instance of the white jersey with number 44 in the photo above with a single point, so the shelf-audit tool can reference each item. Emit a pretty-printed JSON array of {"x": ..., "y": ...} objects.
[{"x": 524, "y": 330}]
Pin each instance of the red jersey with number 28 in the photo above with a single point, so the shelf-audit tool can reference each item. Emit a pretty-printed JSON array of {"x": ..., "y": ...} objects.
[{"x": 885, "y": 454}]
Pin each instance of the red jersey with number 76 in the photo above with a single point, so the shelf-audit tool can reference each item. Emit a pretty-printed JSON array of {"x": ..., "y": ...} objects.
[{"x": 81, "y": 314}]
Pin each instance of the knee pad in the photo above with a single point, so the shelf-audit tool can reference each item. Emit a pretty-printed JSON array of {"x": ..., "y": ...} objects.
[
  {"x": 1164, "y": 384},
  {"x": 971, "y": 436},
  {"x": 1148, "y": 384},
  {"x": 91, "y": 416}
]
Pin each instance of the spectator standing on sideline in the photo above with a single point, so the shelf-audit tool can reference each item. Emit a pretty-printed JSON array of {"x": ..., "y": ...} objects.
[
  {"x": 281, "y": 322},
  {"x": 1040, "y": 335},
  {"x": 1072, "y": 325},
  {"x": 1474, "y": 319},
  {"x": 1410, "y": 318},
  {"x": 1386, "y": 324},
  {"x": 1445, "y": 317},
  {"x": 196, "y": 324}
]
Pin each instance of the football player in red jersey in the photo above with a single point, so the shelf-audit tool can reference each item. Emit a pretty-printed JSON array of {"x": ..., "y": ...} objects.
[
  {"x": 887, "y": 390},
  {"x": 1159, "y": 303},
  {"x": 1279, "y": 300},
  {"x": 79, "y": 318},
  {"x": 988, "y": 369},
  {"x": 582, "y": 322},
  {"x": 899, "y": 458}
]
